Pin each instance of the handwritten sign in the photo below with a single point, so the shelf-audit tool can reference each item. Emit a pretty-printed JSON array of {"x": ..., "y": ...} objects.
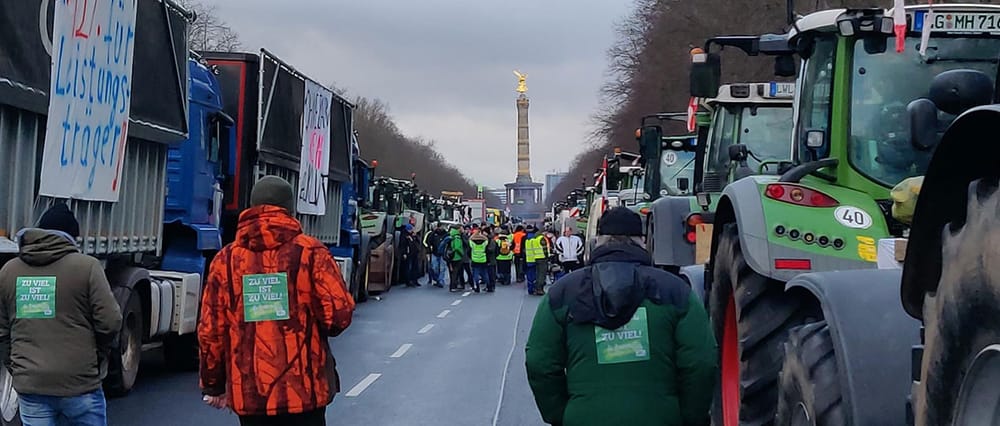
[
  {"x": 89, "y": 99},
  {"x": 265, "y": 297},
  {"x": 314, "y": 165},
  {"x": 36, "y": 297}
]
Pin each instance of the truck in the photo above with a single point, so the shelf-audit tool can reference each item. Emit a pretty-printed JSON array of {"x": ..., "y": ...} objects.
[
  {"x": 266, "y": 99},
  {"x": 744, "y": 129},
  {"x": 475, "y": 210},
  {"x": 809, "y": 328},
  {"x": 153, "y": 242}
]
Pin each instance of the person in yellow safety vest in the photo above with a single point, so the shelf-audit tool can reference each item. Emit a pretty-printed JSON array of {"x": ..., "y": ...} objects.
[
  {"x": 534, "y": 250},
  {"x": 479, "y": 243},
  {"x": 505, "y": 257}
]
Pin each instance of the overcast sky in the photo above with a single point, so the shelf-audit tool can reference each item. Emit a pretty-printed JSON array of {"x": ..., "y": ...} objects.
[{"x": 445, "y": 67}]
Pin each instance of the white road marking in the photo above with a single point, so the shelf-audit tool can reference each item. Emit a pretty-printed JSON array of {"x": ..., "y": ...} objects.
[
  {"x": 513, "y": 346},
  {"x": 362, "y": 385},
  {"x": 466, "y": 294},
  {"x": 426, "y": 328},
  {"x": 401, "y": 351},
  {"x": 444, "y": 313},
  {"x": 455, "y": 303}
]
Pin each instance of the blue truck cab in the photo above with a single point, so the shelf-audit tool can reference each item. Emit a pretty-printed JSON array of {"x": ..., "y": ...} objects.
[{"x": 195, "y": 172}]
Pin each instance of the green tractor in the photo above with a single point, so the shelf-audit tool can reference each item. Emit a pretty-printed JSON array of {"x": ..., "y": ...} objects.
[
  {"x": 394, "y": 202},
  {"x": 744, "y": 130},
  {"x": 810, "y": 331}
]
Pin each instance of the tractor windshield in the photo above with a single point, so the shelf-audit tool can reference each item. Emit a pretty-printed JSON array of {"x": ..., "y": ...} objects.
[
  {"x": 882, "y": 86},
  {"x": 675, "y": 165},
  {"x": 766, "y": 131}
]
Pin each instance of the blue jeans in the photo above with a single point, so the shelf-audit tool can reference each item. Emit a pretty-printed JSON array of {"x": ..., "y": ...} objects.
[
  {"x": 88, "y": 409},
  {"x": 438, "y": 269},
  {"x": 531, "y": 273},
  {"x": 480, "y": 271}
]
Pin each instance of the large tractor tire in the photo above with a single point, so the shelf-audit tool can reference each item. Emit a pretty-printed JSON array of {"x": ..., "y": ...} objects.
[
  {"x": 751, "y": 315},
  {"x": 10, "y": 413},
  {"x": 123, "y": 365},
  {"x": 360, "y": 290},
  {"x": 960, "y": 372},
  {"x": 809, "y": 392}
]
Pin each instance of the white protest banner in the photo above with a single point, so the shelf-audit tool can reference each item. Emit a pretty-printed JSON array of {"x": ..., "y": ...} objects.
[
  {"x": 314, "y": 165},
  {"x": 87, "y": 126}
]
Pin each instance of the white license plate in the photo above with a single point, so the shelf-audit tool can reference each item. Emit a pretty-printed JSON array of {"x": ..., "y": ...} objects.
[
  {"x": 782, "y": 90},
  {"x": 958, "y": 22}
]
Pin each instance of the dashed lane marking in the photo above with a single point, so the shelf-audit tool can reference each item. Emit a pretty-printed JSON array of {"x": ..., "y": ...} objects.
[
  {"x": 466, "y": 294},
  {"x": 401, "y": 351},
  {"x": 426, "y": 328},
  {"x": 362, "y": 385},
  {"x": 444, "y": 313},
  {"x": 455, "y": 303}
]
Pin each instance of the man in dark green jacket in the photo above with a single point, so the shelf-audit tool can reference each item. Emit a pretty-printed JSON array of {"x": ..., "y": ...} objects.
[{"x": 621, "y": 342}]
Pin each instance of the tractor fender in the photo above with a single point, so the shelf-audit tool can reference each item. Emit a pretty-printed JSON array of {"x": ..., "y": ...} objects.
[
  {"x": 665, "y": 232},
  {"x": 695, "y": 276},
  {"x": 740, "y": 202},
  {"x": 872, "y": 337},
  {"x": 965, "y": 154}
]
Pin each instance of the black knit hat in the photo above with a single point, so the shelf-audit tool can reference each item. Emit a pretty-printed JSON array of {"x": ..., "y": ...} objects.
[
  {"x": 274, "y": 191},
  {"x": 60, "y": 218},
  {"x": 620, "y": 221}
]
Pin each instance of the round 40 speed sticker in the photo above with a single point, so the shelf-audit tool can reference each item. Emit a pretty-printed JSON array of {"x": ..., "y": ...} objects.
[
  {"x": 853, "y": 217},
  {"x": 669, "y": 158}
]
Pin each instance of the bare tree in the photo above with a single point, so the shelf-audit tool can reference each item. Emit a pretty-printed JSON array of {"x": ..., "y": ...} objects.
[{"x": 209, "y": 32}]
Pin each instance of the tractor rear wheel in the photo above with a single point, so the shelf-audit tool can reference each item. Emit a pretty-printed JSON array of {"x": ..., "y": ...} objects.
[
  {"x": 960, "y": 371},
  {"x": 809, "y": 392},
  {"x": 752, "y": 315}
]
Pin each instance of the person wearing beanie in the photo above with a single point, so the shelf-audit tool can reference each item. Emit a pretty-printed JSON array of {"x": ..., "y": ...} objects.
[
  {"x": 535, "y": 252},
  {"x": 271, "y": 300},
  {"x": 668, "y": 375},
  {"x": 410, "y": 248},
  {"x": 56, "y": 344},
  {"x": 519, "y": 259}
]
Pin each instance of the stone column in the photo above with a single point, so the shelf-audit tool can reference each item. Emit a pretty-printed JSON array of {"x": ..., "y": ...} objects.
[{"x": 523, "y": 154}]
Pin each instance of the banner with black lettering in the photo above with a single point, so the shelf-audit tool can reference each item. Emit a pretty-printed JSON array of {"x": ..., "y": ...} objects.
[{"x": 314, "y": 163}]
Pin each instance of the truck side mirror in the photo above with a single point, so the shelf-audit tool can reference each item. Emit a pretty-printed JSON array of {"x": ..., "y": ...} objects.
[
  {"x": 683, "y": 184},
  {"x": 923, "y": 123},
  {"x": 706, "y": 76}
]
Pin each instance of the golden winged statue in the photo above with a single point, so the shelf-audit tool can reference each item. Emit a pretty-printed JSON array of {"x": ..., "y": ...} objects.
[{"x": 522, "y": 86}]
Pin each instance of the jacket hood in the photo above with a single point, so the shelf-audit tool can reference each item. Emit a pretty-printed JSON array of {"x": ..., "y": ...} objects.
[
  {"x": 265, "y": 228},
  {"x": 478, "y": 238},
  {"x": 454, "y": 232},
  {"x": 40, "y": 247},
  {"x": 616, "y": 287}
]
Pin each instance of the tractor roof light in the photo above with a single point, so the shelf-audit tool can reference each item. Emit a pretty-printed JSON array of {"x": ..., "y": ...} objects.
[
  {"x": 799, "y": 195},
  {"x": 862, "y": 21},
  {"x": 698, "y": 56}
]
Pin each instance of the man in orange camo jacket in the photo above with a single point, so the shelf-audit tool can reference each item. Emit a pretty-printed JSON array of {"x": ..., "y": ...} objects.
[{"x": 271, "y": 300}]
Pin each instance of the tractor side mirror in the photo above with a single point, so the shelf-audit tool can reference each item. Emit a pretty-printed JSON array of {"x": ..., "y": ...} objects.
[
  {"x": 683, "y": 184},
  {"x": 923, "y": 123},
  {"x": 957, "y": 91},
  {"x": 706, "y": 76},
  {"x": 738, "y": 153},
  {"x": 784, "y": 66},
  {"x": 649, "y": 142}
]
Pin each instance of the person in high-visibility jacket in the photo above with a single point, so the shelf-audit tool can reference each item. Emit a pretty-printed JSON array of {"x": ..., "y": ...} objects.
[
  {"x": 479, "y": 242},
  {"x": 505, "y": 256},
  {"x": 518, "y": 240},
  {"x": 534, "y": 252}
]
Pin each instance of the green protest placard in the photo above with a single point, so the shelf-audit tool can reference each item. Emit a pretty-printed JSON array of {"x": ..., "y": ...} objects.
[
  {"x": 265, "y": 297},
  {"x": 36, "y": 297},
  {"x": 629, "y": 343}
]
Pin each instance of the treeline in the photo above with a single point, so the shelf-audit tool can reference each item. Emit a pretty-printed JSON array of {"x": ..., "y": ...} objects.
[
  {"x": 648, "y": 64},
  {"x": 398, "y": 155}
]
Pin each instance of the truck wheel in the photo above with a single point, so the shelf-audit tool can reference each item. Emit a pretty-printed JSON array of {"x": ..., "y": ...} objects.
[
  {"x": 181, "y": 352},
  {"x": 809, "y": 392},
  {"x": 10, "y": 415},
  {"x": 751, "y": 315},
  {"x": 123, "y": 365},
  {"x": 960, "y": 372}
]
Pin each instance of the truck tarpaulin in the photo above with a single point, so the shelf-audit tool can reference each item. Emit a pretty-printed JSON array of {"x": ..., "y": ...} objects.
[
  {"x": 159, "y": 88},
  {"x": 282, "y": 92}
]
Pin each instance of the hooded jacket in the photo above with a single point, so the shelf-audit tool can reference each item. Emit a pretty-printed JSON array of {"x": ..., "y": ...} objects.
[
  {"x": 57, "y": 353},
  {"x": 272, "y": 366},
  {"x": 669, "y": 382}
]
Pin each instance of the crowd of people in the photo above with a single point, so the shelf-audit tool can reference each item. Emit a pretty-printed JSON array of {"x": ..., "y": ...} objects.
[
  {"x": 482, "y": 256},
  {"x": 616, "y": 329}
]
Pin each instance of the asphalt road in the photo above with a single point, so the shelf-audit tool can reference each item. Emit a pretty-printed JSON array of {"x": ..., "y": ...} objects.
[{"x": 421, "y": 356}]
